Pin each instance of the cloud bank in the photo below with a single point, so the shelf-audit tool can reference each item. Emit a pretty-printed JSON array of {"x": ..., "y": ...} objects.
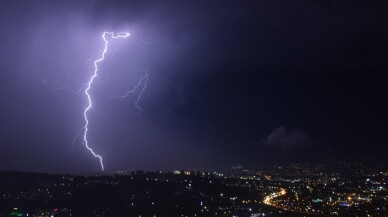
[{"x": 287, "y": 138}]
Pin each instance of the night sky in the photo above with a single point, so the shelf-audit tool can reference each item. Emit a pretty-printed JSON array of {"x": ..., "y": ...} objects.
[{"x": 230, "y": 82}]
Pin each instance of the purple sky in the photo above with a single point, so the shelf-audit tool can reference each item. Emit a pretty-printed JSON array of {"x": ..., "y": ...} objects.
[{"x": 224, "y": 77}]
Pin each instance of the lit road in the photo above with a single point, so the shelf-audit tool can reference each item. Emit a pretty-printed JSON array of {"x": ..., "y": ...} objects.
[{"x": 268, "y": 199}]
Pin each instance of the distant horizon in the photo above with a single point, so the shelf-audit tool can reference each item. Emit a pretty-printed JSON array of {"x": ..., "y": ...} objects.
[{"x": 368, "y": 162}]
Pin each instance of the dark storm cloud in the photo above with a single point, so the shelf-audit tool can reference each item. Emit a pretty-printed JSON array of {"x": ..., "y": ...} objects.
[
  {"x": 220, "y": 72},
  {"x": 287, "y": 138}
]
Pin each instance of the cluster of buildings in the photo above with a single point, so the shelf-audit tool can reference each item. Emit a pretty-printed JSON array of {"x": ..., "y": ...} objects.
[
  {"x": 330, "y": 189},
  {"x": 342, "y": 189}
]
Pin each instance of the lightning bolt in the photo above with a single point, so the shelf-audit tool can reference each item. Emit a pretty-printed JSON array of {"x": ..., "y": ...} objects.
[
  {"x": 145, "y": 79},
  {"x": 89, "y": 86}
]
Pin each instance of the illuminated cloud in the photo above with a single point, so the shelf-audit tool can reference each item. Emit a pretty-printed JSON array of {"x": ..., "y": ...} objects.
[{"x": 287, "y": 138}]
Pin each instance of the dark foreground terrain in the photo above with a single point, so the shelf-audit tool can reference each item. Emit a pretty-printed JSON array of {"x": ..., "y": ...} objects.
[
  {"x": 286, "y": 190},
  {"x": 139, "y": 194}
]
